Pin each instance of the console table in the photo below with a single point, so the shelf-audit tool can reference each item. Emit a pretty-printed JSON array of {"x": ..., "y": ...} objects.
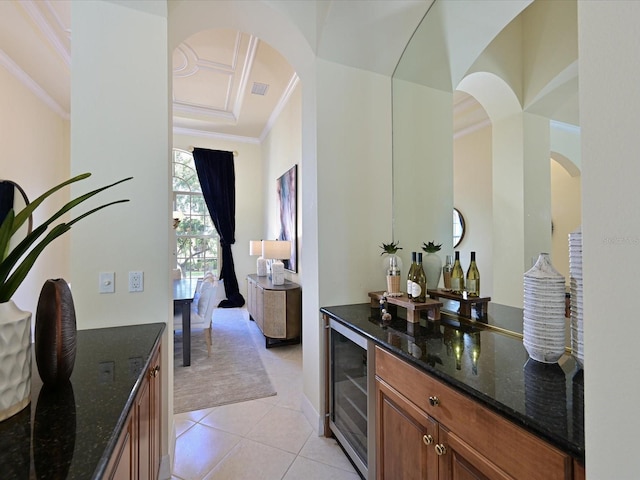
[{"x": 276, "y": 309}]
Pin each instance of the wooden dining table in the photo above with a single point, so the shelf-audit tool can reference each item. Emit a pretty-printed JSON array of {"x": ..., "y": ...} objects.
[{"x": 184, "y": 291}]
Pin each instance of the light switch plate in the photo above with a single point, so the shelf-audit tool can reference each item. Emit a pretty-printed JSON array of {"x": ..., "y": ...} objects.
[{"x": 107, "y": 282}]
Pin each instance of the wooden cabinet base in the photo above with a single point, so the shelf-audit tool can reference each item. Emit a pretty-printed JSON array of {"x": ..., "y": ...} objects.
[{"x": 138, "y": 451}]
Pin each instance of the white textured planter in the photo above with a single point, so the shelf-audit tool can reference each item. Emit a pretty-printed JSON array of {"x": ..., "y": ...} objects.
[
  {"x": 432, "y": 264},
  {"x": 15, "y": 359}
]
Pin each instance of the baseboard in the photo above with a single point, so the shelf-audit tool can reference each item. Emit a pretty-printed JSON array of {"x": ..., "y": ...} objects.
[{"x": 312, "y": 415}]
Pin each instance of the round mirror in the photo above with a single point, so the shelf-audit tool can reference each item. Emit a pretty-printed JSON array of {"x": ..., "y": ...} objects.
[
  {"x": 458, "y": 227},
  {"x": 13, "y": 196}
]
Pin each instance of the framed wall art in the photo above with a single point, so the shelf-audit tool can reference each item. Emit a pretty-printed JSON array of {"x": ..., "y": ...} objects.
[{"x": 287, "y": 204}]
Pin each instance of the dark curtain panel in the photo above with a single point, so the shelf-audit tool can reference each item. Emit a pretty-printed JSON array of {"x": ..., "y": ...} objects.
[
  {"x": 6, "y": 199},
  {"x": 218, "y": 181}
]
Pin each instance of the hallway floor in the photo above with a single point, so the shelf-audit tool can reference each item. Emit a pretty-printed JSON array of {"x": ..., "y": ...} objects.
[{"x": 268, "y": 438}]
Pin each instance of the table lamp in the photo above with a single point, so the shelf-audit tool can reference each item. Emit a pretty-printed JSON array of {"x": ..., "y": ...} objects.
[
  {"x": 276, "y": 250},
  {"x": 255, "y": 248}
]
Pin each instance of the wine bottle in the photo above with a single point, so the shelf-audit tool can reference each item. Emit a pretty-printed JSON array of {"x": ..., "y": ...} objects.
[
  {"x": 419, "y": 290},
  {"x": 446, "y": 273},
  {"x": 457, "y": 276},
  {"x": 473, "y": 278},
  {"x": 411, "y": 274}
]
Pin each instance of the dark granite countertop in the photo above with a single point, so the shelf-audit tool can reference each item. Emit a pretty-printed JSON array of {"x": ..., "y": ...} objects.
[
  {"x": 70, "y": 432},
  {"x": 492, "y": 367}
]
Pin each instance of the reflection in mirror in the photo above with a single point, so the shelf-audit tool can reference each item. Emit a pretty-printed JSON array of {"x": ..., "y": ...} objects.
[
  {"x": 458, "y": 227},
  {"x": 518, "y": 62},
  {"x": 13, "y": 196}
]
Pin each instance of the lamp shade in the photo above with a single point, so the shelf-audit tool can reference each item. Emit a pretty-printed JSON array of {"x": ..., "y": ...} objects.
[
  {"x": 255, "y": 247},
  {"x": 276, "y": 249}
]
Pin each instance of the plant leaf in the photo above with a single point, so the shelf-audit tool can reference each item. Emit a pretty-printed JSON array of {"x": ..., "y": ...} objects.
[
  {"x": 5, "y": 233},
  {"x": 26, "y": 212},
  {"x": 8, "y": 288},
  {"x": 18, "y": 251}
]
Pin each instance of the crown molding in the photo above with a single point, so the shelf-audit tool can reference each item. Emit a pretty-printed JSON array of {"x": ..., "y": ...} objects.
[
  {"x": 189, "y": 109},
  {"x": 565, "y": 127},
  {"x": 218, "y": 136},
  {"x": 31, "y": 85},
  {"x": 45, "y": 27},
  {"x": 284, "y": 99}
]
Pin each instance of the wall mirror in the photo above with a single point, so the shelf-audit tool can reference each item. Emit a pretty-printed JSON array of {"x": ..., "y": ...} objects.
[
  {"x": 458, "y": 227},
  {"x": 13, "y": 196},
  {"x": 485, "y": 114}
]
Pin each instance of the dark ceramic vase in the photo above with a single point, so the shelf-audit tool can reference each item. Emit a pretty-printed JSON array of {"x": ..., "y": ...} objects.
[{"x": 55, "y": 335}]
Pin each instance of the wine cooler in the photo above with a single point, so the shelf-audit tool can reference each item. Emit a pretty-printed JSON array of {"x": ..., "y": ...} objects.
[{"x": 351, "y": 396}]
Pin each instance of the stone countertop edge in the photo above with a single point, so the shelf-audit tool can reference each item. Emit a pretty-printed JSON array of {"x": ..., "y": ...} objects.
[
  {"x": 111, "y": 445},
  {"x": 564, "y": 444}
]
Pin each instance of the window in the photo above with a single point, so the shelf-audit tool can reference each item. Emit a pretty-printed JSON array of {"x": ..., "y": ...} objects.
[{"x": 197, "y": 241}]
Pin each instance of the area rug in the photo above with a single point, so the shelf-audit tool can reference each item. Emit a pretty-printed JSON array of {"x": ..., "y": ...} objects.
[{"x": 233, "y": 373}]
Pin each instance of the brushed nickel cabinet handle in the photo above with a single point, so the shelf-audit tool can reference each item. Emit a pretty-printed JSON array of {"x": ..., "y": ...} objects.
[
  {"x": 153, "y": 372},
  {"x": 427, "y": 439}
]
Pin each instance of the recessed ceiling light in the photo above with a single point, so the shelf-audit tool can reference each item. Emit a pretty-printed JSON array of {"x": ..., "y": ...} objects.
[{"x": 259, "y": 88}]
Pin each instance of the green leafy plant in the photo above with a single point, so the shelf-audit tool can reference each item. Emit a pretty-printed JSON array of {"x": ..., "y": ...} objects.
[
  {"x": 390, "y": 248},
  {"x": 431, "y": 247},
  {"x": 17, "y": 262}
]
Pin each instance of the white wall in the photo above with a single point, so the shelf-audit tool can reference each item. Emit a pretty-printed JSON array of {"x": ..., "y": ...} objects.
[
  {"x": 281, "y": 150},
  {"x": 120, "y": 126},
  {"x": 249, "y": 211},
  {"x": 472, "y": 187},
  {"x": 35, "y": 154},
  {"x": 610, "y": 116}
]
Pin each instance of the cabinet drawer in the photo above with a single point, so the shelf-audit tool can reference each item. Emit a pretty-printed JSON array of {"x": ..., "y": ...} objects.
[{"x": 513, "y": 449}]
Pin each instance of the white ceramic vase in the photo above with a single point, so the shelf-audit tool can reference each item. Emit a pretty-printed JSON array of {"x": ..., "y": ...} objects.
[
  {"x": 544, "y": 311},
  {"x": 15, "y": 359},
  {"x": 432, "y": 264}
]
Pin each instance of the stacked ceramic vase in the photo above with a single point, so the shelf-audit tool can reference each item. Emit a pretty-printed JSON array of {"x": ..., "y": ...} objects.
[
  {"x": 575, "y": 277},
  {"x": 544, "y": 311}
]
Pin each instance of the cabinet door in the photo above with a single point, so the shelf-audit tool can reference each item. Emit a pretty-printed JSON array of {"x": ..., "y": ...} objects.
[
  {"x": 405, "y": 438},
  {"x": 122, "y": 464},
  {"x": 156, "y": 415},
  {"x": 143, "y": 410},
  {"x": 458, "y": 461},
  {"x": 259, "y": 316}
]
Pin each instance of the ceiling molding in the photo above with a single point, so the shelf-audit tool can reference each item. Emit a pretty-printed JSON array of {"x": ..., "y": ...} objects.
[
  {"x": 284, "y": 99},
  {"x": 218, "y": 136},
  {"x": 246, "y": 72},
  {"x": 567, "y": 127},
  {"x": 31, "y": 85},
  {"x": 190, "y": 109},
  {"x": 35, "y": 12}
]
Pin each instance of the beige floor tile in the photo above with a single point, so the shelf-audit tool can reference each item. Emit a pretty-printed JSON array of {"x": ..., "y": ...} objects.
[
  {"x": 199, "y": 449},
  {"x": 194, "y": 416},
  {"x": 182, "y": 425},
  {"x": 326, "y": 450},
  {"x": 238, "y": 418},
  {"x": 306, "y": 469},
  {"x": 282, "y": 428},
  {"x": 250, "y": 460}
]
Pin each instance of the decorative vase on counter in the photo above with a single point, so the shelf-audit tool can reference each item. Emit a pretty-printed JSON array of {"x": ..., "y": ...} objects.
[
  {"x": 544, "y": 311},
  {"x": 432, "y": 269},
  {"x": 575, "y": 283},
  {"x": 15, "y": 359},
  {"x": 55, "y": 335},
  {"x": 432, "y": 263}
]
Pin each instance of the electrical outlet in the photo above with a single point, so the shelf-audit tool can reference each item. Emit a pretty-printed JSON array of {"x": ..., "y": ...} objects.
[
  {"x": 107, "y": 282},
  {"x": 136, "y": 281}
]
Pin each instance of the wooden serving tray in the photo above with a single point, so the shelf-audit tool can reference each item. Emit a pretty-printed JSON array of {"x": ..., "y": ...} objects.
[
  {"x": 413, "y": 308},
  {"x": 466, "y": 303}
]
